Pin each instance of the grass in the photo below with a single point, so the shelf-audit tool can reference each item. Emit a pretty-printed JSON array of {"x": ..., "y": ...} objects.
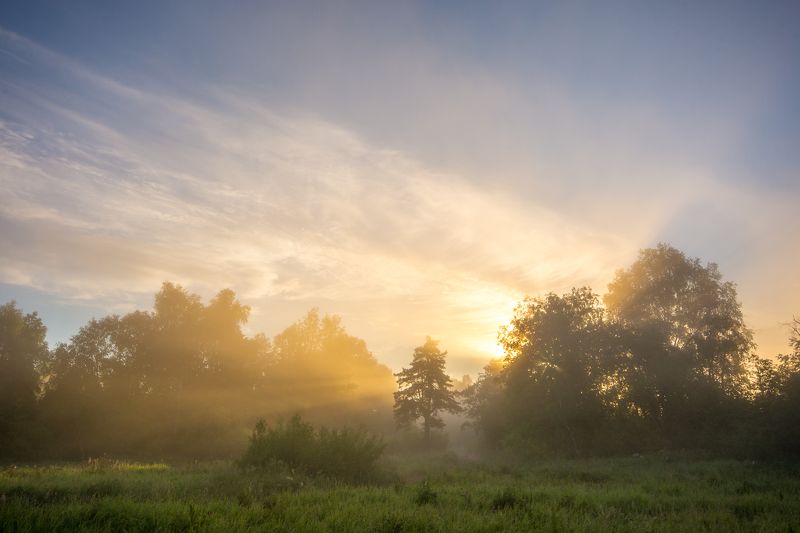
[{"x": 426, "y": 494}]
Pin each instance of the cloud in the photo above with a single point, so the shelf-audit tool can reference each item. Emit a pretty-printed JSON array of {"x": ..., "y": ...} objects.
[
  {"x": 109, "y": 189},
  {"x": 283, "y": 207}
]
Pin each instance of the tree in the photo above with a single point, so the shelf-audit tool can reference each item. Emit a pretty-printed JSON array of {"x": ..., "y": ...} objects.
[
  {"x": 688, "y": 352},
  {"x": 777, "y": 398},
  {"x": 693, "y": 311},
  {"x": 23, "y": 353},
  {"x": 187, "y": 377},
  {"x": 559, "y": 357},
  {"x": 424, "y": 390},
  {"x": 317, "y": 363},
  {"x": 485, "y": 406},
  {"x": 794, "y": 341},
  {"x": 182, "y": 375}
]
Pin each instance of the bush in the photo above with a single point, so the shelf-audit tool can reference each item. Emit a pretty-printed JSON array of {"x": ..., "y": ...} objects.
[
  {"x": 347, "y": 453},
  {"x": 505, "y": 500},
  {"x": 425, "y": 495}
]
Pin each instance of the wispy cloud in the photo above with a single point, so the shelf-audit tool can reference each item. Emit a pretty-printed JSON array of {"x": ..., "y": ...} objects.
[
  {"x": 109, "y": 189},
  {"x": 283, "y": 207}
]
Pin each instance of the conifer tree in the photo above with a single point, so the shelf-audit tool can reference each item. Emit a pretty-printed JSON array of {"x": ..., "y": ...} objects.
[{"x": 424, "y": 390}]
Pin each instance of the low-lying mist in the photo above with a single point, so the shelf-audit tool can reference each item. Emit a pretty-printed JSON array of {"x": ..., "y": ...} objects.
[{"x": 184, "y": 381}]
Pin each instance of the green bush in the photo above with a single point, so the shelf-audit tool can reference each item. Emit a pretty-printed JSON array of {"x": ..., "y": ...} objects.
[
  {"x": 348, "y": 453},
  {"x": 508, "y": 499},
  {"x": 425, "y": 495}
]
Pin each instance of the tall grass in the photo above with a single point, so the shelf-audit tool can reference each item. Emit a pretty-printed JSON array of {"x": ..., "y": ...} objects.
[{"x": 644, "y": 494}]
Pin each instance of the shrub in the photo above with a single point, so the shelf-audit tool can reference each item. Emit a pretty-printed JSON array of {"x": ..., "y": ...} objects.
[
  {"x": 347, "y": 453},
  {"x": 425, "y": 495},
  {"x": 505, "y": 500}
]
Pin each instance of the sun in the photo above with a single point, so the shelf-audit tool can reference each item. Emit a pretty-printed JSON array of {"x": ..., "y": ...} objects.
[{"x": 491, "y": 348}]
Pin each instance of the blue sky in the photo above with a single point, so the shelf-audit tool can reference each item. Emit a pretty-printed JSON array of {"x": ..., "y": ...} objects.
[{"x": 415, "y": 167}]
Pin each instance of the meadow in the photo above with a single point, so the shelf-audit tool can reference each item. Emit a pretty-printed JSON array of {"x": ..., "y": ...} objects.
[{"x": 420, "y": 493}]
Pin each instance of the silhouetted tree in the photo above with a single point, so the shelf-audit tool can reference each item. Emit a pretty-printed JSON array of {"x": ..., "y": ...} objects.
[
  {"x": 175, "y": 375},
  {"x": 23, "y": 353},
  {"x": 184, "y": 379},
  {"x": 691, "y": 311},
  {"x": 794, "y": 341},
  {"x": 559, "y": 355},
  {"x": 777, "y": 400},
  {"x": 485, "y": 404},
  {"x": 424, "y": 390},
  {"x": 667, "y": 362},
  {"x": 688, "y": 350}
]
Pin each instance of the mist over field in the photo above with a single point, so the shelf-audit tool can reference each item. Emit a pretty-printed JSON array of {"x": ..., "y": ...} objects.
[{"x": 426, "y": 266}]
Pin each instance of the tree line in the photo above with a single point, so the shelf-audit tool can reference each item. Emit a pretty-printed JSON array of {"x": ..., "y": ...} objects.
[
  {"x": 664, "y": 360},
  {"x": 182, "y": 380}
]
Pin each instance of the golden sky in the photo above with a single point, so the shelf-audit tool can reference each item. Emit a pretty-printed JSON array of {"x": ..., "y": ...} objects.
[{"x": 414, "y": 181}]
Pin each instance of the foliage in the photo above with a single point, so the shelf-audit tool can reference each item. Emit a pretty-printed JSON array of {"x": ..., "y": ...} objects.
[
  {"x": 776, "y": 418},
  {"x": 347, "y": 453},
  {"x": 667, "y": 363},
  {"x": 424, "y": 390},
  {"x": 23, "y": 352},
  {"x": 484, "y": 403},
  {"x": 425, "y": 495},
  {"x": 685, "y": 344},
  {"x": 182, "y": 380},
  {"x": 316, "y": 358},
  {"x": 695, "y": 314},
  {"x": 559, "y": 355}
]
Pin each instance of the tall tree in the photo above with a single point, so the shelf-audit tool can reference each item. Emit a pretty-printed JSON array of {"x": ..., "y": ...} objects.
[
  {"x": 424, "y": 390},
  {"x": 179, "y": 374},
  {"x": 688, "y": 349},
  {"x": 317, "y": 362},
  {"x": 23, "y": 353},
  {"x": 485, "y": 405},
  {"x": 686, "y": 303},
  {"x": 559, "y": 357}
]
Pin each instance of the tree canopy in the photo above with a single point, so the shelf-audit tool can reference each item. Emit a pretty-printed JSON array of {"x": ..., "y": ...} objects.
[
  {"x": 558, "y": 358},
  {"x": 666, "y": 362},
  {"x": 183, "y": 379},
  {"x": 689, "y": 311}
]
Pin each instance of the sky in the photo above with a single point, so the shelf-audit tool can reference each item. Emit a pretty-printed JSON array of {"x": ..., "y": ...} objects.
[{"x": 416, "y": 168}]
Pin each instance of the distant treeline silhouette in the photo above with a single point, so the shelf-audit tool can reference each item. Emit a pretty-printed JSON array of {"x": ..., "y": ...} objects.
[{"x": 663, "y": 361}]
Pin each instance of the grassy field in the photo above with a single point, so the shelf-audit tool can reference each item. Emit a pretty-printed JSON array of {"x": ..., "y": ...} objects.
[{"x": 422, "y": 494}]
